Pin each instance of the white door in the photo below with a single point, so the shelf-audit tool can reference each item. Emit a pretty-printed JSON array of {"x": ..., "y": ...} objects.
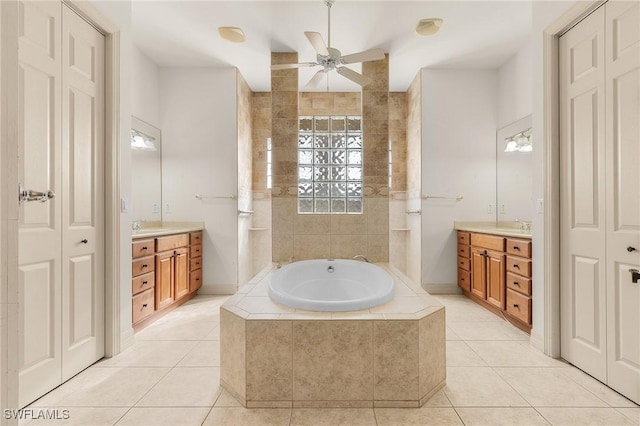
[
  {"x": 623, "y": 195},
  {"x": 61, "y": 120},
  {"x": 582, "y": 194},
  {"x": 40, "y": 228},
  {"x": 82, "y": 194}
]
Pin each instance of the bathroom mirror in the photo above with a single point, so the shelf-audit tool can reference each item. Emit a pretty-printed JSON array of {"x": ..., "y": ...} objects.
[
  {"x": 146, "y": 171},
  {"x": 514, "y": 171}
]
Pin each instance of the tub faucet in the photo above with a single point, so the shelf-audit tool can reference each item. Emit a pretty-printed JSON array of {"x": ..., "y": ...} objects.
[
  {"x": 360, "y": 256},
  {"x": 292, "y": 259}
]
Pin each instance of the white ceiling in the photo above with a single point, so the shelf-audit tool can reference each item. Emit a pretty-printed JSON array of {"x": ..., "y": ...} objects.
[{"x": 475, "y": 34}]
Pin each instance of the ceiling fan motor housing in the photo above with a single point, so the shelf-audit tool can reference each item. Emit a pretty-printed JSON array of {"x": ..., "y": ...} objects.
[{"x": 332, "y": 61}]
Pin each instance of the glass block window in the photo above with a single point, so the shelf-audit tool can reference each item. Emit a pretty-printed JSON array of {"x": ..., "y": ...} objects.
[
  {"x": 269, "y": 164},
  {"x": 330, "y": 164}
]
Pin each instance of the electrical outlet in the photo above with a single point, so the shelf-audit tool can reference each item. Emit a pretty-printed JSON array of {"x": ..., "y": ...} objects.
[
  {"x": 489, "y": 208},
  {"x": 156, "y": 208},
  {"x": 124, "y": 205},
  {"x": 540, "y": 205},
  {"x": 167, "y": 208},
  {"x": 503, "y": 209}
]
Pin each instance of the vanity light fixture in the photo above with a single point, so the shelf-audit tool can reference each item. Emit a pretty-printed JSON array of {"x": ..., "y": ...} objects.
[
  {"x": 142, "y": 142},
  {"x": 520, "y": 142},
  {"x": 232, "y": 34},
  {"x": 428, "y": 26}
]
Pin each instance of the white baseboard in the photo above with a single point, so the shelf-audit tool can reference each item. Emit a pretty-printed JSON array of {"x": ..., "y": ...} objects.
[
  {"x": 218, "y": 289},
  {"x": 537, "y": 340},
  {"x": 442, "y": 288},
  {"x": 126, "y": 339}
]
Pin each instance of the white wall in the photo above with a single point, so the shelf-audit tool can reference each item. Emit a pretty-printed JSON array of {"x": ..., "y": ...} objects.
[
  {"x": 145, "y": 88},
  {"x": 515, "y": 86},
  {"x": 544, "y": 13},
  {"x": 199, "y": 156},
  {"x": 459, "y": 120}
]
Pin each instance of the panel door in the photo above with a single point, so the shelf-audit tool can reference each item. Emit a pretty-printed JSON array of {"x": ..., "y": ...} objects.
[
  {"x": 40, "y": 223},
  {"x": 181, "y": 259},
  {"x": 496, "y": 279},
  {"x": 164, "y": 279},
  {"x": 82, "y": 194},
  {"x": 623, "y": 196},
  {"x": 478, "y": 273},
  {"x": 582, "y": 194}
]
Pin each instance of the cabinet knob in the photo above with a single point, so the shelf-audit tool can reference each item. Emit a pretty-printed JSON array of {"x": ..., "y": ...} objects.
[
  {"x": 516, "y": 248},
  {"x": 515, "y": 305},
  {"x": 144, "y": 265},
  {"x": 516, "y": 266},
  {"x": 144, "y": 248},
  {"x": 631, "y": 249},
  {"x": 145, "y": 282},
  {"x": 144, "y": 305},
  {"x": 516, "y": 283}
]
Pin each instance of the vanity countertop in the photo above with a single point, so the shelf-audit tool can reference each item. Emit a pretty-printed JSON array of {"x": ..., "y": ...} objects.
[
  {"x": 159, "y": 229},
  {"x": 495, "y": 228}
]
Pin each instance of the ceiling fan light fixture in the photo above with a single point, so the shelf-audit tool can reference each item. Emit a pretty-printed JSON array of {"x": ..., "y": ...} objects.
[
  {"x": 232, "y": 34},
  {"x": 428, "y": 26}
]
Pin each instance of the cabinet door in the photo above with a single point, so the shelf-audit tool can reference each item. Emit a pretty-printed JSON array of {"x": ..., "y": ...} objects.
[
  {"x": 181, "y": 272},
  {"x": 495, "y": 279},
  {"x": 478, "y": 273},
  {"x": 164, "y": 279}
]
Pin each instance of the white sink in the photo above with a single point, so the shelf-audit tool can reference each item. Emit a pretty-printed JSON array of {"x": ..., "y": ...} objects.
[{"x": 149, "y": 231}]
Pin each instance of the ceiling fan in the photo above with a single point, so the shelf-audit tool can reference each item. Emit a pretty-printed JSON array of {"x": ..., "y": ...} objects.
[{"x": 331, "y": 59}]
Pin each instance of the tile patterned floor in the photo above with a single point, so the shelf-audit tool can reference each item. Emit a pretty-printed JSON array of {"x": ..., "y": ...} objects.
[{"x": 171, "y": 375}]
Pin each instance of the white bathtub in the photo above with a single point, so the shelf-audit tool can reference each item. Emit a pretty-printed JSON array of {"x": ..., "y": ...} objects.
[{"x": 331, "y": 285}]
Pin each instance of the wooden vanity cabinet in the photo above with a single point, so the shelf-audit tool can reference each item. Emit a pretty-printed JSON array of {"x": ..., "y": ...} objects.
[
  {"x": 164, "y": 272},
  {"x": 497, "y": 274}
]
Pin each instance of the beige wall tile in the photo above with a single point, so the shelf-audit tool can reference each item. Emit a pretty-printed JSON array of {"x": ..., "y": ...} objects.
[
  {"x": 269, "y": 362},
  {"x": 332, "y": 360},
  {"x": 311, "y": 246},
  {"x": 353, "y": 224},
  {"x": 432, "y": 352},
  {"x": 232, "y": 352},
  {"x": 377, "y": 216},
  {"x": 283, "y": 215},
  {"x": 378, "y": 248},
  {"x": 306, "y": 224},
  {"x": 396, "y": 360},
  {"x": 282, "y": 247},
  {"x": 347, "y": 246}
]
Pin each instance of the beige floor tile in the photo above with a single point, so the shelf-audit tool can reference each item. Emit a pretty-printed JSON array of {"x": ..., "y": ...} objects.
[
  {"x": 439, "y": 400},
  {"x": 205, "y": 354},
  {"x": 185, "y": 387},
  {"x": 584, "y": 416},
  {"x": 600, "y": 390},
  {"x": 632, "y": 414},
  {"x": 245, "y": 417},
  {"x": 480, "y": 387},
  {"x": 332, "y": 416},
  {"x": 176, "y": 327},
  {"x": 499, "y": 416},
  {"x": 113, "y": 387},
  {"x": 486, "y": 330},
  {"x": 513, "y": 354},
  {"x": 162, "y": 416},
  {"x": 77, "y": 416},
  {"x": 548, "y": 387},
  {"x": 150, "y": 354},
  {"x": 226, "y": 400},
  {"x": 417, "y": 416},
  {"x": 459, "y": 354},
  {"x": 214, "y": 334},
  {"x": 451, "y": 335}
]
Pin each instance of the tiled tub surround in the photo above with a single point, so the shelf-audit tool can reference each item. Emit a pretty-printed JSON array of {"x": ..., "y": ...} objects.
[{"x": 392, "y": 355}]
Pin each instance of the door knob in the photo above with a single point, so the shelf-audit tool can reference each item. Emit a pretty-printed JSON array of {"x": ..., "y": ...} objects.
[
  {"x": 85, "y": 241},
  {"x": 635, "y": 276},
  {"x": 31, "y": 195},
  {"x": 631, "y": 249}
]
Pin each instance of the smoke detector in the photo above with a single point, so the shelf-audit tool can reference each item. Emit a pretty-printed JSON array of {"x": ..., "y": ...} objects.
[
  {"x": 428, "y": 26},
  {"x": 233, "y": 34}
]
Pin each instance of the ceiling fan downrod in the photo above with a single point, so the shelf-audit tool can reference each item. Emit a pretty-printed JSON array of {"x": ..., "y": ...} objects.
[{"x": 329, "y": 3}]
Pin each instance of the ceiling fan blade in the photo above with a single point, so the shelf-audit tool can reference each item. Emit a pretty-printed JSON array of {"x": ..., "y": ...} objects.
[
  {"x": 315, "y": 80},
  {"x": 367, "y": 55},
  {"x": 317, "y": 42},
  {"x": 354, "y": 76},
  {"x": 290, "y": 66}
]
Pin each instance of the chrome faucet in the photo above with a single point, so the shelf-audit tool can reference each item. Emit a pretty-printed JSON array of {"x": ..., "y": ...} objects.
[
  {"x": 292, "y": 259},
  {"x": 525, "y": 225},
  {"x": 136, "y": 225},
  {"x": 360, "y": 256}
]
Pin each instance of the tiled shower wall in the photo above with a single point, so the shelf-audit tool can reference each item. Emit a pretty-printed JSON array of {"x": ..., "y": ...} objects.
[{"x": 296, "y": 236}]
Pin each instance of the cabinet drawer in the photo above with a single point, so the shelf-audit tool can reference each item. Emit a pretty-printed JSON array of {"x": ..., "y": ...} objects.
[
  {"x": 195, "y": 280},
  {"x": 491, "y": 242},
  {"x": 142, "y": 282},
  {"x": 464, "y": 263},
  {"x": 142, "y": 248},
  {"x": 519, "y": 306},
  {"x": 519, "y": 266},
  {"x": 464, "y": 279},
  {"x": 464, "y": 251},
  {"x": 142, "y": 265},
  {"x": 519, "y": 283},
  {"x": 196, "y": 251},
  {"x": 172, "y": 241},
  {"x": 195, "y": 263},
  {"x": 195, "y": 238},
  {"x": 142, "y": 304},
  {"x": 463, "y": 238},
  {"x": 520, "y": 248}
]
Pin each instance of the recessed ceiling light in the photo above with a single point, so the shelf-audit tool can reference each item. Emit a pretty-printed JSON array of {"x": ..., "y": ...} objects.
[
  {"x": 428, "y": 26},
  {"x": 233, "y": 34}
]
